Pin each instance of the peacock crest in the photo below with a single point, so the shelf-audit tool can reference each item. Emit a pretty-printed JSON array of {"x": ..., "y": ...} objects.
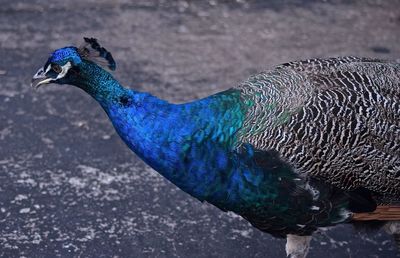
[{"x": 91, "y": 50}]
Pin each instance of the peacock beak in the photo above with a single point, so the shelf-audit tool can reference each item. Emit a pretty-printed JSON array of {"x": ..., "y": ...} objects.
[{"x": 40, "y": 78}]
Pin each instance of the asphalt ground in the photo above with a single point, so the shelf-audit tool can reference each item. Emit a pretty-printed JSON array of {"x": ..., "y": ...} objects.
[{"x": 69, "y": 187}]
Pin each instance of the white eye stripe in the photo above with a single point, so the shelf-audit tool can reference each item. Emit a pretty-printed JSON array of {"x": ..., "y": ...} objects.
[
  {"x": 47, "y": 69},
  {"x": 64, "y": 70}
]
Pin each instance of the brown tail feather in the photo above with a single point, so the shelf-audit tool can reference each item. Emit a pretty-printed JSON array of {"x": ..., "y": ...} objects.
[{"x": 381, "y": 213}]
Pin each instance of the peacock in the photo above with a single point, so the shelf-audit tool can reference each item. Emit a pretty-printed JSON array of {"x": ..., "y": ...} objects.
[{"x": 305, "y": 145}]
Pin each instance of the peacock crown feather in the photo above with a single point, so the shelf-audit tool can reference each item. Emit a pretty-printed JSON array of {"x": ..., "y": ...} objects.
[{"x": 90, "y": 50}]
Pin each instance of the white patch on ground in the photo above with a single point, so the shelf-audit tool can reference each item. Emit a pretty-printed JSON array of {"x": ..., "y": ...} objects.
[
  {"x": 28, "y": 181},
  {"x": 49, "y": 142},
  {"x": 81, "y": 124},
  {"x": 247, "y": 233},
  {"x": 36, "y": 238},
  {"x": 234, "y": 215},
  {"x": 5, "y": 132},
  {"x": 105, "y": 178},
  {"x": 106, "y": 137},
  {"x": 90, "y": 234},
  {"x": 333, "y": 243},
  {"x": 9, "y": 93},
  {"x": 38, "y": 156},
  {"x": 24, "y": 210},
  {"x": 392, "y": 227},
  {"x": 88, "y": 169},
  {"x": 77, "y": 182},
  {"x": 69, "y": 245},
  {"x": 5, "y": 161},
  {"x": 169, "y": 223},
  {"x": 20, "y": 197}
]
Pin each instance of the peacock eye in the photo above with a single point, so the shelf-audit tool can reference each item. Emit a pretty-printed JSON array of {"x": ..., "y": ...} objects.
[{"x": 56, "y": 68}]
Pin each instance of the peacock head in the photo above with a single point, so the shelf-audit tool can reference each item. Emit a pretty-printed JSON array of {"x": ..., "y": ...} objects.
[{"x": 64, "y": 63}]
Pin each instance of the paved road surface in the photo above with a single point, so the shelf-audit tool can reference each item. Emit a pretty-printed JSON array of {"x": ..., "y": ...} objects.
[{"x": 69, "y": 186}]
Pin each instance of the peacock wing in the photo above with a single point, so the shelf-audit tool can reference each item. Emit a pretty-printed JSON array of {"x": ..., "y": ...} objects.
[{"x": 337, "y": 120}]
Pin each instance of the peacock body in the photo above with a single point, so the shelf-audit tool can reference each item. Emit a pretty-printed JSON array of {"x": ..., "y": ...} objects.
[{"x": 305, "y": 145}]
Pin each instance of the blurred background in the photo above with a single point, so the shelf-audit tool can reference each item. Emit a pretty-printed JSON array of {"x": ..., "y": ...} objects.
[{"x": 68, "y": 185}]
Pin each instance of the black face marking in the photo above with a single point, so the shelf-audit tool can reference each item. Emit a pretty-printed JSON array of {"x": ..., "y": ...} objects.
[
  {"x": 74, "y": 71},
  {"x": 125, "y": 101},
  {"x": 52, "y": 74}
]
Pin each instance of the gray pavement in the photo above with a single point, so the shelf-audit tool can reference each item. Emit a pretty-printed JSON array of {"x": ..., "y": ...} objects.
[{"x": 69, "y": 187}]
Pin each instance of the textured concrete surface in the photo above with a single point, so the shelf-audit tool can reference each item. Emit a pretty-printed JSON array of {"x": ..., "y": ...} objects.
[{"x": 69, "y": 186}]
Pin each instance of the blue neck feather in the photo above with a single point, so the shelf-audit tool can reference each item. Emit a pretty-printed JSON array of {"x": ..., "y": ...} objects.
[{"x": 187, "y": 143}]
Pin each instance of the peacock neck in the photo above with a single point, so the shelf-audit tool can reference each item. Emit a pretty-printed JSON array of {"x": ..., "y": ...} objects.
[
  {"x": 179, "y": 141},
  {"x": 97, "y": 82},
  {"x": 189, "y": 143},
  {"x": 162, "y": 133}
]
